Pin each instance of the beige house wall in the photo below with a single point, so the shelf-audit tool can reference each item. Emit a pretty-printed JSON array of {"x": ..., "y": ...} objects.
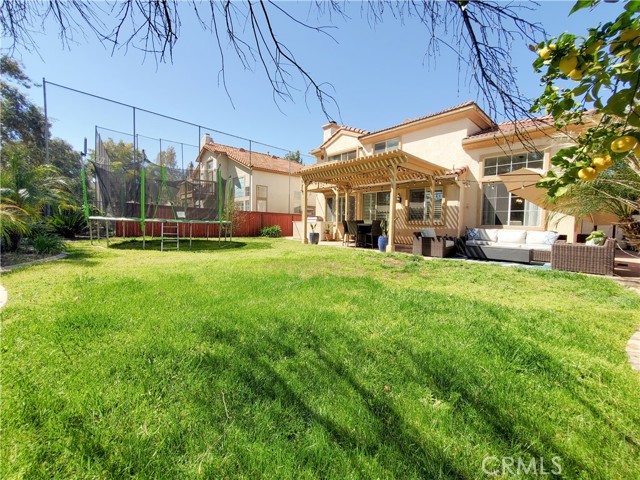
[
  {"x": 441, "y": 142},
  {"x": 281, "y": 188}
]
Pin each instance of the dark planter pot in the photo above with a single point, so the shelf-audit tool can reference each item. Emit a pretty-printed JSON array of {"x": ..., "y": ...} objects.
[
  {"x": 314, "y": 238},
  {"x": 382, "y": 243}
]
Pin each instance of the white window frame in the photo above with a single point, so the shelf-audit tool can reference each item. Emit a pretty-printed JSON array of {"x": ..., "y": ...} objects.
[
  {"x": 262, "y": 198},
  {"x": 508, "y": 163},
  {"x": 341, "y": 157},
  {"x": 528, "y": 209},
  {"x": 386, "y": 145},
  {"x": 427, "y": 217}
]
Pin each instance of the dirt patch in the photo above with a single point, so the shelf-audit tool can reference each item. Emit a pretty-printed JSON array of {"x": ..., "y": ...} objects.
[{"x": 24, "y": 255}]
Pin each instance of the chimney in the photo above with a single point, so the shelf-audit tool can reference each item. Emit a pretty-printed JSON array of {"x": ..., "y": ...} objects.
[
  {"x": 206, "y": 138},
  {"x": 328, "y": 130}
]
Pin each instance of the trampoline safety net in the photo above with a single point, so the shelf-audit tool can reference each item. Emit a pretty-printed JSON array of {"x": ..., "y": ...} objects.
[{"x": 143, "y": 190}]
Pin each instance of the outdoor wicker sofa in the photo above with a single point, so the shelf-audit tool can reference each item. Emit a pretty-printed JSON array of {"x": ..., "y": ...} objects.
[{"x": 579, "y": 257}]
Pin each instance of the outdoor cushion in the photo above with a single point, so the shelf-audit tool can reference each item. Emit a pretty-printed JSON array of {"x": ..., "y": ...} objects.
[
  {"x": 449, "y": 243},
  {"x": 428, "y": 233},
  {"x": 487, "y": 234},
  {"x": 551, "y": 238},
  {"x": 473, "y": 243},
  {"x": 536, "y": 237},
  {"x": 512, "y": 236}
]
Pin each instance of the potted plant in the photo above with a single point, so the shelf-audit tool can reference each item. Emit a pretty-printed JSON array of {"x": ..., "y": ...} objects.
[
  {"x": 314, "y": 237},
  {"x": 383, "y": 239},
  {"x": 328, "y": 231}
]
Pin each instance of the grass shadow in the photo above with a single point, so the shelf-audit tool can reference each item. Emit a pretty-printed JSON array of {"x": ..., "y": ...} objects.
[{"x": 198, "y": 245}]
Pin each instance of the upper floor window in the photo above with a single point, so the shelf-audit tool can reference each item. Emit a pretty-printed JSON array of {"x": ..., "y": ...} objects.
[
  {"x": 509, "y": 163},
  {"x": 343, "y": 156},
  {"x": 387, "y": 145}
]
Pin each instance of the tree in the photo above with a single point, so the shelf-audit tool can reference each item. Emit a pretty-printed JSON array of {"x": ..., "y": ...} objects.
[
  {"x": 594, "y": 81},
  {"x": 294, "y": 156},
  {"x": 26, "y": 189},
  {"x": 167, "y": 158},
  {"x": 479, "y": 33},
  {"x": 22, "y": 121}
]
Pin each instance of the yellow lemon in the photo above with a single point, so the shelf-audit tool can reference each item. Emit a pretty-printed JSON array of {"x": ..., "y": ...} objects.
[
  {"x": 636, "y": 151},
  {"x": 544, "y": 52},
  {"x": 587, "y": 174},
  {"x": 568, "y": 63},
  {"x": 601, "y": 161},
  {"x": 623, "y": 144},
  {"x": 552, "y": 46},
  {"x": 576, "y": 75},
  {"x": 594, "y": 47}
]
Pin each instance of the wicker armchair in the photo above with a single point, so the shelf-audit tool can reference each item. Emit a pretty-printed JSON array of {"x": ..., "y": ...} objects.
[
  {"x": 578, "y": 257},
  {"x": 432, "y": 247}
]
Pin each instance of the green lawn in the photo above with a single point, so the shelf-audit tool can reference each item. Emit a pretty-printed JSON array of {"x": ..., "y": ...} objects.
[{"x": 280, "y": 360}]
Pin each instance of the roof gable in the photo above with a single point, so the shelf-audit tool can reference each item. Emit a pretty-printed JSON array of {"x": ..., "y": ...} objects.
[{"x": 255, "y": 160}]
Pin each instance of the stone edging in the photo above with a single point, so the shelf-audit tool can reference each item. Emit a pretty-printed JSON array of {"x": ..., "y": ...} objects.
[
  {"x": 8, "y": 268},
  {"x": 3, "y": 296}
]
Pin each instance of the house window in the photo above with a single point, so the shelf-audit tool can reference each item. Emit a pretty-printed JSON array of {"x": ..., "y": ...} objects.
[
  {"x": 239, "y": 188},
  {"x": 330, "y": 210},
  {"x": 376, "y": 206},
  {"x": 211, "y": 172},
  {"x": 499, "y": 207},
  {"x": 352, "y": 207},
  {"x": 508, "y": 163},
  {"x": 343, "y": 156},
  {"x": 386, "y": 146},
  {"x": 261, "y": 197},
  {"x": 420, "y": 205}
]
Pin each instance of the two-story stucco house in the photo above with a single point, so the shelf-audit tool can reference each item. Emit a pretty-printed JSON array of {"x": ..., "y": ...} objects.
[
  {"x": 262, "y": 182},
  {"x": 441, "y": 171}
]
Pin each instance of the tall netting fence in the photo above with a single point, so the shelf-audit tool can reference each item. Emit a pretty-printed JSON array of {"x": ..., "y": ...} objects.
[{"x": 141, "y": 189}]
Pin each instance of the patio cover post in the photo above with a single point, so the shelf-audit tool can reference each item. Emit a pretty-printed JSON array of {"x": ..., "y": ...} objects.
[
  {"x": 336, "y": 209},
  {"x": 346, "y": 204},
  {"x": 305, "y": 186},
  {"x": 392, "y": 209}
]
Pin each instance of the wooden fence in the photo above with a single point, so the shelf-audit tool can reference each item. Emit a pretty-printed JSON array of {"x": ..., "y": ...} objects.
[{"x": 247, "y": 225}]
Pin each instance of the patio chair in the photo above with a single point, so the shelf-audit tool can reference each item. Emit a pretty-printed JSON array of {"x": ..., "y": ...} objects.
[
  {"x": 371, "y": 239},
  {"x": 428, "y": 244},
  {"x": 578, "y": 257},
  {"x": 352, "y": 228}
]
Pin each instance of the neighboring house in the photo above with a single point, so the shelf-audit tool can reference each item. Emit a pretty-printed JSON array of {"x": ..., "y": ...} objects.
[
  {"x": 438, "y": 171},
  {"x": 261, "y": 182}
]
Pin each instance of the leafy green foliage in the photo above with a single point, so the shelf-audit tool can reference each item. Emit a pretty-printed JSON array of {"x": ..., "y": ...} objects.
[
  {"x": 274, "y": 231},
  {"x": 48, "y": 243},
  {"x": 68, "y": 223},
  {"x": 593, "y": 81}
]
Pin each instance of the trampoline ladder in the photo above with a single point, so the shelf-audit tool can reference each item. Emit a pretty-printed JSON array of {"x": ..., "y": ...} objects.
[{"x": 169, "y": 237}]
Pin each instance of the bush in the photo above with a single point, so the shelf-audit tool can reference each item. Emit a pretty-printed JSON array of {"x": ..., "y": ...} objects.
[
  {"x": 69, "y": 223},
  {"x": 48, "y": 243},
  {"x": 273, "y": 231}
]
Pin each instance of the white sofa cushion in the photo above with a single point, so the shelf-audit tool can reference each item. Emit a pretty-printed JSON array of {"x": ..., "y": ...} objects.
[
  {"x": 545, "y": 237},
  {"x": 449, "y": 243},
  {"x": 512, "y": 236}
]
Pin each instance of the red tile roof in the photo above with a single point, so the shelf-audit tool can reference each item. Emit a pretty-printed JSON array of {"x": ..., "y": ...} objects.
[
  {"x": 436, "y": 114},
  {"x": 508, "y": 128},
  {"x": 255, "y": 160}
]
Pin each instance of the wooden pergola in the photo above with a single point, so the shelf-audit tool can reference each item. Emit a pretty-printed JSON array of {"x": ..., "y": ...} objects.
[{"x": 381, "y": 170}]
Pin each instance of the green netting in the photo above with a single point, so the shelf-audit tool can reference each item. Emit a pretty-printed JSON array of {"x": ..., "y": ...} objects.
[{"x": 121, "y": 190}]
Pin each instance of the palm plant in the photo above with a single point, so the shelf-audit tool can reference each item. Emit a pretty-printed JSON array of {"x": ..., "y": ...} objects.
[
  {"x": 616, "y": 191},
  {"x": 25, "y": 191}
]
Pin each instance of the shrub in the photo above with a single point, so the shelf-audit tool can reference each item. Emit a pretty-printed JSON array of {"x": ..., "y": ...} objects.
[
  {"x": 273, "y": 231},
  {"x": 48, "y": 243},
  {"x": 69, "y": 223}
]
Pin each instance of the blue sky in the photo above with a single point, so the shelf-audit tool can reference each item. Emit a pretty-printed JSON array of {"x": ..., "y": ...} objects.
[{"x": 380, "y": 77}]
